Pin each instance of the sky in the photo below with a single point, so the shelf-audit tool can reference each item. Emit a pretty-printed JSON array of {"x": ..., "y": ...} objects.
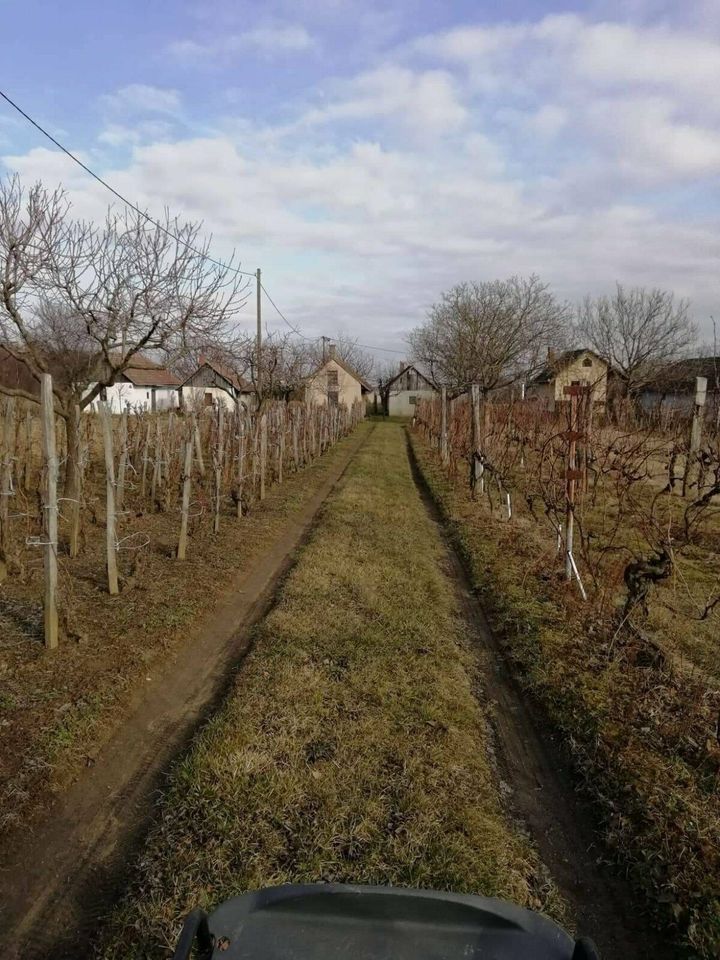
[{"x": 369, "y": 155}]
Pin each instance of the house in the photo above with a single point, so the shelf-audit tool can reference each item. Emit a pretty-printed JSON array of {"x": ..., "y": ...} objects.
[
  {"x": 562, "y": 370},
  {"x": 16, "y": 375},
  {"x": 673, "y": 391},
  {"x": 212, "y": 383},
  {"x": 401, "y": 393},
  {"x": 335, "y": 381},
  {"x": 143, "y": 385}
]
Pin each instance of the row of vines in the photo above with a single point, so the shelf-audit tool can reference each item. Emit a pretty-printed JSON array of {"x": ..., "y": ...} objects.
[{"x": 209, "y": 467}]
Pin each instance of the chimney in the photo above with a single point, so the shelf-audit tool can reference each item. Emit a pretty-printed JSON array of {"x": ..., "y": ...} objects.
[
  {"x": 551, "y": 356},
  {"x": 331, "y": 351}
]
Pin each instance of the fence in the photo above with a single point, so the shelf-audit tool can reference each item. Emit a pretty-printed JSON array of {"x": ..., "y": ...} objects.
[{"x": 207, "y": 466}]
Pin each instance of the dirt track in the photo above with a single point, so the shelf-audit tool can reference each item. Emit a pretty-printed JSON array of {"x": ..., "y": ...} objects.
[
  {"x": 69, "y": 871},
  {"x": 58, "y": 882}
]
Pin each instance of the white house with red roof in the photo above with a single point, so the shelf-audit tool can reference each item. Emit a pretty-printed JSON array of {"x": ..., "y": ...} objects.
[{"x": 143, "y": 385}]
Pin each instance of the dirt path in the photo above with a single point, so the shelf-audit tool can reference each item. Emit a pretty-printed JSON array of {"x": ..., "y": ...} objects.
[
  {"x": 57, "y": 883},
  {"x": 536, "y": 768}
]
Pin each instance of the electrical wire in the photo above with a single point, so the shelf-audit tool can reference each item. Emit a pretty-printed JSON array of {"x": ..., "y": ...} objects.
[
  {"x": 169, "y": 233},
  {"x": 117, "y": 194}
]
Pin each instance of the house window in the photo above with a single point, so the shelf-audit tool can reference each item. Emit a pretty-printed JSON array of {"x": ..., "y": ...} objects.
[
  {"x": 103, "y": 393},
  {"x": 587, "y": 362},
  {"x": 333, "y": 396},
  {"x": 332, "y": 379},
  {"x": 412, "y": 400}
]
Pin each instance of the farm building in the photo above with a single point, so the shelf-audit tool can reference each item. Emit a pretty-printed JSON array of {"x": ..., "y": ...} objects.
[
  {"x": 674, "y": 390},
  {"x": 143, "y": 385},
  {"x": 401, "y": 393},
  {"x": 570, "y": 367},
  {"x": 214, "y": 383},
  {"x": 335, "y": 381}
]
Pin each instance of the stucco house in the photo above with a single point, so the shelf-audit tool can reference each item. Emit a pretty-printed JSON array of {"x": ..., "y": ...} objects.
[
  {"x": 335, "y": 381},
  {"x": 562, "y": 370},
  {"x": 212, "y": 383},
  {"x": 401, "y": 393},
  {"x": 143, "y": 385}
]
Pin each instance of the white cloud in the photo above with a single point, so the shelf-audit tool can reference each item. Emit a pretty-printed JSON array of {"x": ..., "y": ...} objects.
[
  {"x": 268, "y": 40},
  {"x": 142, "y": 98}
]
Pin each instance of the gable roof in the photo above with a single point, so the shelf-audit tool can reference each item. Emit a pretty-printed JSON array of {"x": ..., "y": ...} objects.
[
  {"x": 144, "y": 372},
  {"x": 225, "y": 373},
  {"x": 679, "y": 377},
  {"x": 551, "y": 369},
  {"x": 400, "y": 373},
  {"x": 346, "y": 367}
]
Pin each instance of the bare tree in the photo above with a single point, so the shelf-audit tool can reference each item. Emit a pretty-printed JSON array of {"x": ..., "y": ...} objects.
[
  {"x": 639, "y": 332},
  {"x": 80, "y": 301},
  {"x": 489, "y": 333}
]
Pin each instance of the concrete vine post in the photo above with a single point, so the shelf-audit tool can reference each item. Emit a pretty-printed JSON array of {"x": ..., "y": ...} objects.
[
  {"x": 50, "y": 525},
  {"x": 695, "y": 430},
  {"x": 110, "y": 517},
  {"x": 185, "y": 511}
]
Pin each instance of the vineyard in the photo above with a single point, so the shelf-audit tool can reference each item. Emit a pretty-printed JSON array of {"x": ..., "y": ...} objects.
[
  {"x": 170, "y": 505},
  {"x": 595, "y": 548}
]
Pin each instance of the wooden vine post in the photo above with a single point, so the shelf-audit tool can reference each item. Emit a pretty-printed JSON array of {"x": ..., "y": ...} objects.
[
  {"x": 110, "y": 517},
  {"x": 6, "y": 469},
  {"x": 242, "y": 444},
  {"x": 572, "y": 475},
  {"x": 27, "y": 478},
  {"x": 218, "y": 459},
  {"x": 187, "y": 477},
  {"x": 476, "y": 441},
  {"x": 75, "y": 511},
  {"x": 47, "y": 413},
  {"x": 443, "y": 425},
  {"x": 263, "y": 454},
  {"x": 122, "y": 465}
]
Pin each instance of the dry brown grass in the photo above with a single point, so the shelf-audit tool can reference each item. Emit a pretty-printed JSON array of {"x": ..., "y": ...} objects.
[{"x": 352, "y": 747}]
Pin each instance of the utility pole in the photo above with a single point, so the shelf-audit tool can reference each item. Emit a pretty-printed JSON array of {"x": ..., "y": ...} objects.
[{"x": 258, "y": 339}]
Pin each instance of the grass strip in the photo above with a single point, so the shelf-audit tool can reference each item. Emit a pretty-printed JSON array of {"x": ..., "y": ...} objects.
[{"x": 352, "y": 748}]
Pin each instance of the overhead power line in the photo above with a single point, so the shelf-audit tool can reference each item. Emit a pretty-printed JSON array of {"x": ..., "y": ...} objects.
[
  {"x": 116, "y": 193},
  {"x": 169, "y": 233}
]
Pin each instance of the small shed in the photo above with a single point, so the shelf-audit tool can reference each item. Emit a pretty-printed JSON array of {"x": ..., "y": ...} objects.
[
  {"x": 401, "y": 393},
  {"x": 212, "y": 383},
  {"x": 581, "y": 366}
]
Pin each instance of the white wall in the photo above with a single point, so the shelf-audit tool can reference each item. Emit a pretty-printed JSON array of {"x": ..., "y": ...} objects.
[
  {"x": 399, "y": 404},
  {"x": 120, "y": 395}
]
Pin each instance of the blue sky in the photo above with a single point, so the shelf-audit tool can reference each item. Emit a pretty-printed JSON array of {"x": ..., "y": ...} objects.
[{"x": 368, "y": 155}]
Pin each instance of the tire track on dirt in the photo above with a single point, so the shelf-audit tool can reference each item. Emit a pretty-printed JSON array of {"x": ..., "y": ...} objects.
[
  {"x": 544, "y": 797},
  {"x": 65, "y": 875}
]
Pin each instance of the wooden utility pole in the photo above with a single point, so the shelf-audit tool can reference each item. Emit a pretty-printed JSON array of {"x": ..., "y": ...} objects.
[
  {"x": 47, "y": 412},
  {"x": 187, "y": 476},
  {"x": 110, "y": 535},
  {"x": 695, "y": 429},
  {"x": 443, "y": 425},
  {"x": 258, "y": 336}
]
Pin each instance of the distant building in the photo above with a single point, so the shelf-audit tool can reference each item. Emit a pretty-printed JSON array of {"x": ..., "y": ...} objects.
[
  {"x": 16, "y": 375},
  {"x": 562, "y": 370},
  {"x": 143, "y": 385},
  {"x": 212, "y": 383},
  {"x": 335, "y": 381},
  {"x": 673, "y": 391},
  {"x": 400, "y": 394}
]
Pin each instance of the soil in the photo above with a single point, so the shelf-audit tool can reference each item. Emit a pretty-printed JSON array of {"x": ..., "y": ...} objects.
[
  {"x": 537, "y": 770},
  {"x": 60, "y": 878}
]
